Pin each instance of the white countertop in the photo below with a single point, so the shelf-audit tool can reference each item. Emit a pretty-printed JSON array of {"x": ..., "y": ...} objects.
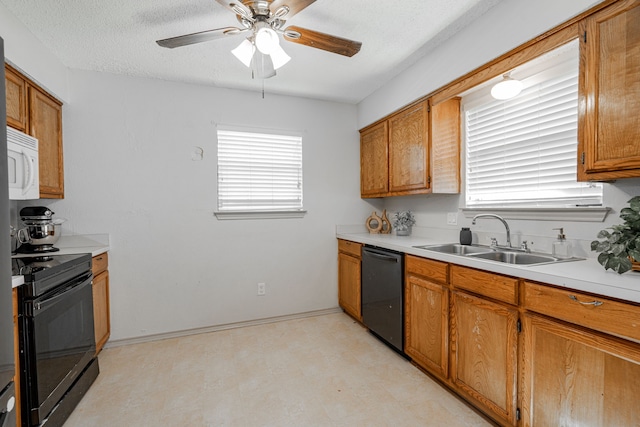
[
  {"x": 584, "y": 275},
  {"x": 95, "y": 244}
]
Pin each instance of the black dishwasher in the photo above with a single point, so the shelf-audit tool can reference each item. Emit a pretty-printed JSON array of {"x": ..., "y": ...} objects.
[{"x": 382, "y": 294}]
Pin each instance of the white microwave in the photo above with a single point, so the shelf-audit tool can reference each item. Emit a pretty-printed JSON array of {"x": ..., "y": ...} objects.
[{"x": 22, "y": 154}]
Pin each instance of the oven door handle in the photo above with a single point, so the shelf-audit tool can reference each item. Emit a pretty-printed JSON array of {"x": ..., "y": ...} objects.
[{"x": 66, "y": 291}]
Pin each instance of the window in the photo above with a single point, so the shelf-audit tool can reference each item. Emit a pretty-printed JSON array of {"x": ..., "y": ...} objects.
[
  {"x": 522, "y": 152},
  {"x": 259, "y": 173}
]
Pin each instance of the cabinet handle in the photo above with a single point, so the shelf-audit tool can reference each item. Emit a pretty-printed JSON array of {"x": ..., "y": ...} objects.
[{"x": 593, "y": 303}]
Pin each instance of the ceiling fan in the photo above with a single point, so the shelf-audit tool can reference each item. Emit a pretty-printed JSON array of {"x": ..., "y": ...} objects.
[{"x": 264, "y": 22}]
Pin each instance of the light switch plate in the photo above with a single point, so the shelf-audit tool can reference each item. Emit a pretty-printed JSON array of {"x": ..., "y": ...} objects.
[{"x": 452, "y": 218}]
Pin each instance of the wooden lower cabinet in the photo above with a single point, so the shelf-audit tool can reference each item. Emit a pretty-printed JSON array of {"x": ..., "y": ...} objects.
[
  {"x": 101, "y": 310},
  {"x": 427, "y": 315},
  {"x": 349, "y": 278},
  {"x": 576, "y": 377},
  {"x": 484, "y": 354}
]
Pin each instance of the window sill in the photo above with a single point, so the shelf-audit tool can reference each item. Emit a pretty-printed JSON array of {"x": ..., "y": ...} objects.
[
  {"x": 579, "y": 214},
  {"x": 225, "y": 215}
]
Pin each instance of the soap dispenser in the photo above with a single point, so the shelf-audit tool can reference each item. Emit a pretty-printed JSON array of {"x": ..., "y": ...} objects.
[{"x": 561, "y": 248}]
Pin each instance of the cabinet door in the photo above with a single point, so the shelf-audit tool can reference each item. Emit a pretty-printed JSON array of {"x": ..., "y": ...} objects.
[
  {"x": 575, "y": 377},
  {"x": 46, "y": 125},
  {"x": 484, "y": 353},
  {"x": 16, "y": 88},
  {"x": 349, "y": 288},
  {"x": 427, "y": 324},
  {"x": 409, "y": 150},
  {"x": 101, "y": 315},
  {"x": 445, "y": 147},
  {"x": 609, "y": 123},
  {"x": 374, "y": 167}
]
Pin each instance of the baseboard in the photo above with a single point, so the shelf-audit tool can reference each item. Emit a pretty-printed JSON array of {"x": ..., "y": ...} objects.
[{"x": 204, "y": 330}]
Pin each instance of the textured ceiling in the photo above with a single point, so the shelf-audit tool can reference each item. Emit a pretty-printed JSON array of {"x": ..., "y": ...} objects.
[{"x": 118, "y": 36}]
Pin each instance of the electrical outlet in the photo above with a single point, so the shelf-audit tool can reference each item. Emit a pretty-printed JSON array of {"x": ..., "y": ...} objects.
[
  {"x": 452, "y": 218},
  {"x": 262, "y": 289}
]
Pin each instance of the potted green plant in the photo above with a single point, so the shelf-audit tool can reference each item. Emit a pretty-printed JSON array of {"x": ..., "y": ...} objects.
[
  {"x": 620, "y": 247},
  {"x": 402, "y": 222}
]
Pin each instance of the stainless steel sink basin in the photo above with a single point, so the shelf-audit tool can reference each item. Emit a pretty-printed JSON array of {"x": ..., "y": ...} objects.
[
  {"x": 519, "y": 258},
  {"x": 457, "y": 249},
  {"x": 504, "y": 255}
]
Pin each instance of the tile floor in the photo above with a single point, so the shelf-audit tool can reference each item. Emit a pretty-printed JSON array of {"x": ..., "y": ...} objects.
[{"x": 317, "y": 371}]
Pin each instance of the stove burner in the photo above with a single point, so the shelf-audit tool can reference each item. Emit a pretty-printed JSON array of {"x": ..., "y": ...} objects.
[{"x": 36, "y": 249}]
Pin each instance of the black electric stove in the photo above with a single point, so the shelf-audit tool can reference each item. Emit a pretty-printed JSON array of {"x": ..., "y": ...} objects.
[
  {"x": 44, "y": 272},
  {"x": 56, "y": 335}
]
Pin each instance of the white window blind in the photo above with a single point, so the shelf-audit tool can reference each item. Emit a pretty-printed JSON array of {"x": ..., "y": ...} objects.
[
  {"x": 259, "y": 171},
  {"x": 523, "y": 151}
]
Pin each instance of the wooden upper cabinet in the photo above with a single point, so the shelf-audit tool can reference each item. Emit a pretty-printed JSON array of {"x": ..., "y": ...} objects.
[
  {"x": 16, "y": 88},
  {"x": 414, "y": 151},
  {"x": 609, "y": 123},
  {"x": 374, "y": 168},
  {"x": 32, "y": 111},
  {"x": 409, "y": 149},
  {"x": 445, "y": 147},
  {"x": 45, "y": 124}
]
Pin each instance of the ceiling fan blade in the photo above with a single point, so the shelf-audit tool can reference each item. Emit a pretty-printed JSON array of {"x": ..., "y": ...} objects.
[
  {"x": 322, "y": 41},
  {"x": 237, "y": 7},
  {"x": 203, "y": 36},
  {"x": 294, "y": 6}
]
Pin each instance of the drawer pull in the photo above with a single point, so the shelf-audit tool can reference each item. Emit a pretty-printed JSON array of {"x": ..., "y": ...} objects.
[{"x": 593, "y": 303}]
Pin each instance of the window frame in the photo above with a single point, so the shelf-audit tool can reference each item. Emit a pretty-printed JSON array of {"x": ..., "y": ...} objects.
[
  {"x": 541, "y": 212},
  {"x": 260, "y": 213}
]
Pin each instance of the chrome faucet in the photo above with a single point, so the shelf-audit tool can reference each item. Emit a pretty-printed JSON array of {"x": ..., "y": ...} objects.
[{"x": 498, "y": 217}]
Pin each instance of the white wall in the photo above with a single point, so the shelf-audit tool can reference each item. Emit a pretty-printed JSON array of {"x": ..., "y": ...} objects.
[
  {"x": 129, "y": 173},
  {"x": 26, "y": 52},
  {"x": 173, "y": 265},
  {"x": 502, "y": 28}
]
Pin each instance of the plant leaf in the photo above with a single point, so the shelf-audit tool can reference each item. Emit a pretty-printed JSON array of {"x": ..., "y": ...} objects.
[
  {"x": 603, "y": 259},
  {"x": 619, "y": 249},
  {"x": 635, "y": 254},
  {"x": 634, "y": 203},
  {"x": 624, "y": 265},
  {"x": 603, "y": 234}
]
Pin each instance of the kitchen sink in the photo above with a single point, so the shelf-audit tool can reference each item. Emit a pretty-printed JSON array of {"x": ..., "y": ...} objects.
[
  {"x": 503, "y": 255},
  {"x": 520, "y": 258},
  {"x": 457, "y": 249}
]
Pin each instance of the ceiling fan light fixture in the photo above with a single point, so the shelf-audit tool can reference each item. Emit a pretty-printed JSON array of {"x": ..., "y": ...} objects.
[
  {"x": 244, "y": 52},
  {"x": 262, "y": 66},
  {"x": 506, "y": 88},
  {"x": 266, "y": 40},
  {"x": 279, "y": 57}
]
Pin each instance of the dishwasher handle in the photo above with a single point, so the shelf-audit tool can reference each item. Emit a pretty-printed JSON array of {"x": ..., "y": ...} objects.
[{"x": 378, "y": 255}]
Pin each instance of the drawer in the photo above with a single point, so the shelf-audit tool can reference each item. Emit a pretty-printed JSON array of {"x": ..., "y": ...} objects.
[
  {"x": 351, "y": 248},
  {"x": 434, "y": 270},
  {"x": 496, "y": 286},
  {"x": 99, "y": 263},
  {"x": 594, "y": 312}
]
